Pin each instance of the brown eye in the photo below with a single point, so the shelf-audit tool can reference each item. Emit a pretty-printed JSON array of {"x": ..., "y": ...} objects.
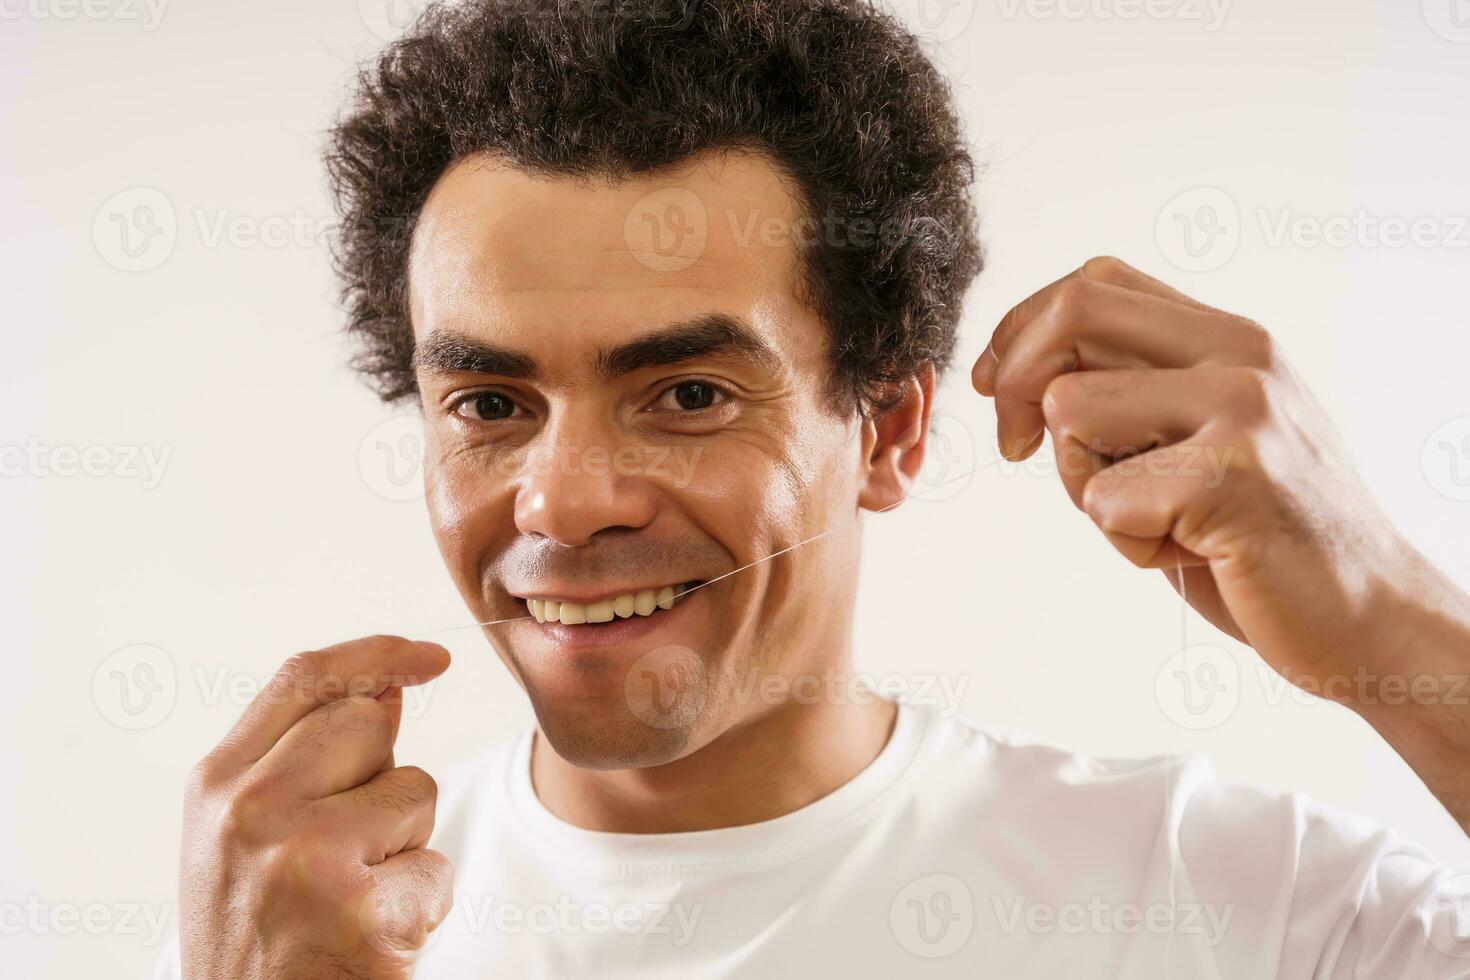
[
  {"x": 691, "y": 396},
  {"x": 488, "y": 406}
]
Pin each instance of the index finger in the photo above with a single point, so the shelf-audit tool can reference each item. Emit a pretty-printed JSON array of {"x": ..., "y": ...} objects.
[{"x": 375, "y": 666}]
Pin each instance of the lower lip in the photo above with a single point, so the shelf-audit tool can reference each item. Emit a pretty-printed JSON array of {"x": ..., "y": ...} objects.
[{"x": 616, "y": 631}]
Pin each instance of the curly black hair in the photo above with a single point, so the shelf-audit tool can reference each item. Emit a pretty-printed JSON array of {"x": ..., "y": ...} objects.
[{"x": 836, "y": 92}]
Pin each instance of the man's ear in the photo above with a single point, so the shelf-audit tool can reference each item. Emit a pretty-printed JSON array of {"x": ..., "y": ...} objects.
[{"x": 894, "y": 443}]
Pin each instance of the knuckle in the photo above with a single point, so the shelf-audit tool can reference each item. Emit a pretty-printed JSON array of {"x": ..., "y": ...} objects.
[
  {"x": 1008, "y": 382},
  {"x": 1106, "y": 268},
  {"x": 1070, "y": 298},
  {"x": 355, "y": 714},
  {"x": 246, "y": 814},
  {"x": 299, "y": 672},
  {"x": 202, "y": 779},
  {"x": 435, "y": 873},
  {"x": 1260, "y": 346},
  {"x": 418, "y": 783},
  {"x": 1058, "y": 399},
  {"x": 405, "y": 789},
  {"x": 306, "y": 664},
  {"x": 1250, "y": 395},
  {"x": 302, "y": 868}
]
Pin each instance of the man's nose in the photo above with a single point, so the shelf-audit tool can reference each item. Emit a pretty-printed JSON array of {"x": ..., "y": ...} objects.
[{"x": 577, "y": 481}]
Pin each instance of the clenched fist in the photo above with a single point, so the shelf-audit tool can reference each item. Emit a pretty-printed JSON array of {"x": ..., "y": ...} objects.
[{"x": 303, "y": 851}]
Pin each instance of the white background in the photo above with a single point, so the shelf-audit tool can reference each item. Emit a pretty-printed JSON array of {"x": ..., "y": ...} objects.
[{"x": 269, "y": 532}]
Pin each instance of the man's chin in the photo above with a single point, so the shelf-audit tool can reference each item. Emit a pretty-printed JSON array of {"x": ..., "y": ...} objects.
[
  {"x": 601, "y": 714},
  {"x": 608, "y": 735}
]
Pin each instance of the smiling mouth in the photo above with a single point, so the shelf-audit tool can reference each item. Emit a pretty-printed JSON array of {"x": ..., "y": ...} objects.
[{"x": 645, "y": 602}]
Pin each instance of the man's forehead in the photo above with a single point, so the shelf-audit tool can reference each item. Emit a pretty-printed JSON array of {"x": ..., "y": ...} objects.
[{"x": 493, "y": 237}]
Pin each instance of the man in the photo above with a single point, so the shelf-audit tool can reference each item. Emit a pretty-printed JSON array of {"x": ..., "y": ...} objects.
[{"x": 672, "y": 288}]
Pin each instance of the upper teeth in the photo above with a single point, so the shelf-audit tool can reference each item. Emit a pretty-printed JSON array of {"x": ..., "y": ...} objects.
[{"x": 575, "y": 613}]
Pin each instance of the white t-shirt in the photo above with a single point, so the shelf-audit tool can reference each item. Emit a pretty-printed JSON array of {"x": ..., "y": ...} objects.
[{"x": 954, "y": 854}]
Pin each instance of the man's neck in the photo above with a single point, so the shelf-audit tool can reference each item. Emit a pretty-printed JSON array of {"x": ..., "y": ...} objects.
[{"x": 760, "y": 770}]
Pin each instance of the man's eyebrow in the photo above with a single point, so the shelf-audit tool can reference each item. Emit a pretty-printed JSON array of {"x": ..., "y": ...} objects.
[
  {"x": 710, "y": 335},
  {"x": 448, "y": 353}
]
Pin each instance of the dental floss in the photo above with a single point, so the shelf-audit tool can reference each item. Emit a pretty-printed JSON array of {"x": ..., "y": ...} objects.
[
  {"x": 1174, "y": 855},
  {"x": 774, "y": 554}
]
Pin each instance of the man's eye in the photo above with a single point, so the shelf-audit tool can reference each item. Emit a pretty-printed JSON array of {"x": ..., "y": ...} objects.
[
  {"x": 485, "y": 407},
  {"x": 691, "y": 396}
]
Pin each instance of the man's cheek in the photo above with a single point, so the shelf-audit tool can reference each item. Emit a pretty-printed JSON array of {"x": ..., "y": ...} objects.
[{"x": 467, "y": 518}]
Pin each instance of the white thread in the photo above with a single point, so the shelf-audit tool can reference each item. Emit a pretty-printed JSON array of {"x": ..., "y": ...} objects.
[{"x": 1174, "y": 855}]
